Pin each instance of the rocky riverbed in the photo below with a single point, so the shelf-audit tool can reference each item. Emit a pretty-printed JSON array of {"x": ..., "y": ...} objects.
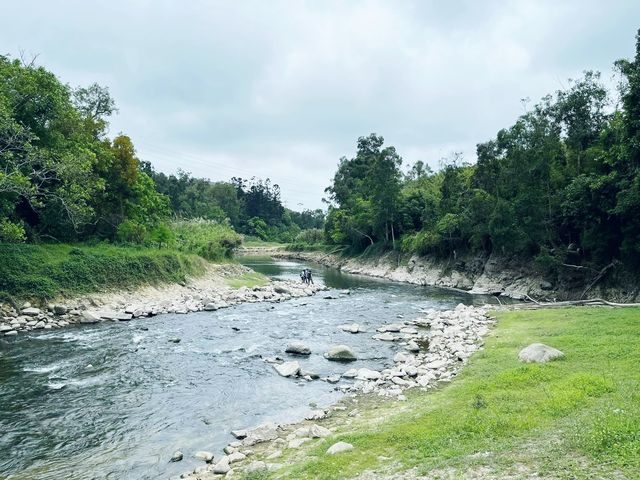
[
  {"x": 435, "y": 345},
  {"x": 209, "y": 292}
]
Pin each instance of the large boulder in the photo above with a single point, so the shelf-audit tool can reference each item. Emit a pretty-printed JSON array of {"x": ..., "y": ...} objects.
[
  {"x": 339, "y": 448},
  {"x": 341, "y": 353},
  {"x": 287, "y": 369},
  {"x": 203, "y": 455},
  {"x": 31, "y": 311},
  {"x": 298, "y": 348},
  {"x": 539, "y": 353}
]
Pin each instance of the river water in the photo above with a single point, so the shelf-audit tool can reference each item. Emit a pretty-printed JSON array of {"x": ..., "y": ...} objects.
[{"x": 115, "y": 400}]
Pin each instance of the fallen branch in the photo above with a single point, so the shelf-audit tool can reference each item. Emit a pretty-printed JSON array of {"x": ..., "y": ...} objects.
[
  {"x": 571, "y": 303},
  {"x": 598, "y": 277}
]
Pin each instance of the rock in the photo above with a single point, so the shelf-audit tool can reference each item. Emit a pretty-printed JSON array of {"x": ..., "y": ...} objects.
[
  {"x": 39, "y": 325},
  {"x": 123, "y": 317},
  {"x": 339, "y": 447},
  {"x": 287, "y": 369},
  {"x": 239, "y": 434},
  {"x": 88, "y": 317},
  {"x": 11, "y": 333},
  {"x": 174, "y": 340},
  {"x": 411, "y": 371},
  {"x": 298, "y": 348},
  {"x": 332, "y": 379},
  {"x": 31, "y": 311},
  {"x": 351, "y": 328},
  {"x": 210, "y": 307},
  {"x": 177, "y": 456},
  {"x": 341, "y": 353},
  {"x": 351, "y": 373},
  {"x": 366, "y": 374},
  {"x": 316, "y": 415},
  {"x": 203, "y": 455},
  {"x": 222, "y": 467},
  {"x": 539, "y": 353},
  {"x": 236, "y": 457},
  {"x": 312, "y": 431},
  {"x": 281, "y": 290},
  {"x": 413, "y": 347},
  {"x": 275, "y": 454},
  {"x": 544, "y": 285},
  {"x": 263, "y": 433},
  {"x": 5, "y": 328},
  {"x": 297, "y": 442},
  {"x": 385, "y": 337},
  {"x": 256, "y": 466},
  {"x": 394, "y": 327}
]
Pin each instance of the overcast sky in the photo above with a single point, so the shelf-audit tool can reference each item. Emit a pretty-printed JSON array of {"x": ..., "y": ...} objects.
[{"x": 283, "y": 89}]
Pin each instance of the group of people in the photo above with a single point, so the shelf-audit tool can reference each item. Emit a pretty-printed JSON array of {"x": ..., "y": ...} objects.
[{"x": 306, "y": 277}]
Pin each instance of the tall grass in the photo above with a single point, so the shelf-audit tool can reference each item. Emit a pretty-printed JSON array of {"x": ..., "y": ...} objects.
[{"x": 211, "y": 240}]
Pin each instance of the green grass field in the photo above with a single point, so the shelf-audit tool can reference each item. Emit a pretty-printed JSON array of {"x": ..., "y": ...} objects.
[
  {"x": 574, "y": 418},
  {"x": 43, "y": 272}
]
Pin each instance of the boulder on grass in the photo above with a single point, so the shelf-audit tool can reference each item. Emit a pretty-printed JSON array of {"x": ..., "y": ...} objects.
[{"x": 539, "y": 353}]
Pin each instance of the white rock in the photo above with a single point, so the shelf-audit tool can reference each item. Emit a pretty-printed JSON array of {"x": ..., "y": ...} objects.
[
  {"x": 366, "y": 374},
  {"x": 341, "y": 353},
  {"x": 287, "y": 369},
  {"x": 298, "y": 348},
  {"x": 236, "y": 457},
  {"x": 539, "y": 353},
  {"x": 339, "y": 447},
  {"x": 222, "y": 467},
  {"x": 203, "y": 455},
  {"x": 31, "y": 311}
]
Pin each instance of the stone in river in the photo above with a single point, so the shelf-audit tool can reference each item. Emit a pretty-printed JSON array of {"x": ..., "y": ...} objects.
[
  {"x": 174, "y": 340},
  {"x": 341, "y": 353},
  {"x": 177, "y": 456},
  {"x": 287, "y": 369},
  {"x": 298, "y": 348},
  {"x": 339, "y": 448},
  {"x": 204, "y": 455}
]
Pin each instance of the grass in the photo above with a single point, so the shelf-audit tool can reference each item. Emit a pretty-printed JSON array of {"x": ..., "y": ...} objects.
[
  {"x": 574, "y": 418},
  {"x": 43, "y": 272},
  {"x": 249, "y": 280}
]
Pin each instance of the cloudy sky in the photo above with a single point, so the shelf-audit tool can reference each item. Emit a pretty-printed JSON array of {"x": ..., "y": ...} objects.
[{"x": 282, "y": 89}]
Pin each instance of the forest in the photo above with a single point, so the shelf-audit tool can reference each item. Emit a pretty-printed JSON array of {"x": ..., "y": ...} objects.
[
  {"x": 559, "y": 186},
  {"x": 63, "y": 179}
]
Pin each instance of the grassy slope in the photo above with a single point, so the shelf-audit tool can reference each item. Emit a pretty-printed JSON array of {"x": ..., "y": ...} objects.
[
  {"x": 574, "y": 418},
  {"x": 249, "y": 280},
  {"x": 46, "y": 271}
]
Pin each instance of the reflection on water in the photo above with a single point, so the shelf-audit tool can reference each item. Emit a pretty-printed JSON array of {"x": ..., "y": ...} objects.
[{"x": 115, "y": 401}]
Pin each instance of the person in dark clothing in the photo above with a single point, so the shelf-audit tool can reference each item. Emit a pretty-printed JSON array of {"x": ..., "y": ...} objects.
[{"x": 309, "y": 277}]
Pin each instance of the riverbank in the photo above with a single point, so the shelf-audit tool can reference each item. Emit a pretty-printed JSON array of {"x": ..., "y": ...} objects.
[
  {"x": 577, "y": 417},
  {"x": 216, "y": 286},
  {"x": 491, "y": 275}
]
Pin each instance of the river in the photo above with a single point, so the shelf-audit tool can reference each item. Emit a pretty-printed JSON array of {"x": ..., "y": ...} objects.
[{"x": 115, "y": 400}]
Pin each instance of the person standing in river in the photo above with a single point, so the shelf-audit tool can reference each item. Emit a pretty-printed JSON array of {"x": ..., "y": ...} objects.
[{"x": 309, "y": 277}]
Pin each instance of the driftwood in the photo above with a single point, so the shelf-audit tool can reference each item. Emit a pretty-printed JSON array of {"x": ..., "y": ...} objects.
[
  {"x": 569, "y": 303},
  {"x": 598, "y": 277}
]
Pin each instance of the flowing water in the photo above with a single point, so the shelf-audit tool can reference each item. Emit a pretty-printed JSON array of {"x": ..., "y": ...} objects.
[{"x": 115, "y": 400}]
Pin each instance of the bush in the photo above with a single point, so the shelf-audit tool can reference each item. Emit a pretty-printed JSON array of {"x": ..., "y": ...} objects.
[
  {"x": 11, "y": 232},
  {"x": 207, "y": 238},
  {"x": 311, "y": 236}
]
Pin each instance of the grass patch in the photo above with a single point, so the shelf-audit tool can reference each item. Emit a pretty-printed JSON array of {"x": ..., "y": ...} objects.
[
  {"x": 574, "y": 418},
  {"x": 43, "y": 272},
  {"x": 249, "y": 280}
]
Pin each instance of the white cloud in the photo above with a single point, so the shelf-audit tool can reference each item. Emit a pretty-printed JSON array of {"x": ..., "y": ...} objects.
[{"x": 284, "y": 88}]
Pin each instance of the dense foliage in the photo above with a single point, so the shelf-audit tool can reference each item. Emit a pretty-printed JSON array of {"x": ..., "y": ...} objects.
[
  {"x": 62, "y": 179},
  {"x": 252, "y": 207},
  {"x": 561, "y": 185}
]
